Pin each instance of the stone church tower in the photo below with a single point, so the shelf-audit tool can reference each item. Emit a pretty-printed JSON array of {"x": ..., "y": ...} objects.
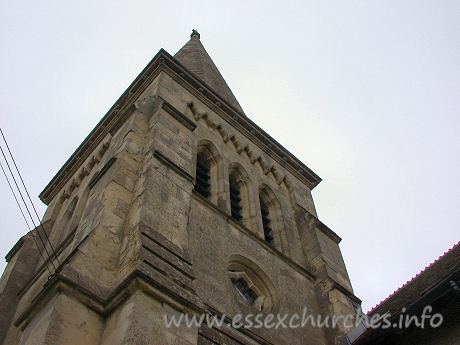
[{"x": 175, "y": 203}]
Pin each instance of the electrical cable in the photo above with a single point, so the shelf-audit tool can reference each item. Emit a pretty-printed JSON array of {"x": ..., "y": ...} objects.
[
  {"x": 25, "y": 219},
  {"x": 27, "y": 209},
  {"x": 28, "y": 195}
]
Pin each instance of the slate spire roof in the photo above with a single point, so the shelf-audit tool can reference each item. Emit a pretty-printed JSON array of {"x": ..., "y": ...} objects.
[{"x": 194, "y": 57}]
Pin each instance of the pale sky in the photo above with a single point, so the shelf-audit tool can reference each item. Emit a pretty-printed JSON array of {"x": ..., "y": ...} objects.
[{"x": 365, "y": 93}]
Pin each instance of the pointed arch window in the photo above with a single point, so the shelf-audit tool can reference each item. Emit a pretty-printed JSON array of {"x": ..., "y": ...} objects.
[
  {"x": 203, "y": 174},
  {"x": 71, "y": 219},
  {"x": 209, "y": 181},
  {"x": 272, "y": 218},
  {"x": 63, "y": 226},
  {"x": 266, "y": 222},
  {"x": 241, "y": 194},
  {"x": 235, "y": 197}
]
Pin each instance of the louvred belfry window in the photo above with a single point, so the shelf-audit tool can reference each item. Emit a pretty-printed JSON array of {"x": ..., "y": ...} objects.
[
  {"x": 203, "y": 175},
  {"x": 235, "y": 201},
  {"x": 268, "y": 232}
]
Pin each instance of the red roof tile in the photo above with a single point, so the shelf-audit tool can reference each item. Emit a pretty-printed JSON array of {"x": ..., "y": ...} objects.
[{"x": 415, "y": 288}]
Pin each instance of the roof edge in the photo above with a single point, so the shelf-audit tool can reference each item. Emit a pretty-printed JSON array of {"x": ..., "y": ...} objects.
[
  {"x": 409, "y": 282},
  {"x": 111, "y": 121}
]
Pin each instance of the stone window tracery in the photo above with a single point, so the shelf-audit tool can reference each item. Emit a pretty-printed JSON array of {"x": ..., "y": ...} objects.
[{"x": 251, "y": 283}]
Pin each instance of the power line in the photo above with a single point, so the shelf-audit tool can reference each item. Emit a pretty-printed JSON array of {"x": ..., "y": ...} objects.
[
  {"x": 25, "y": 204},
  {"x": 26, "y": 207},
  {"x": 28, "y": 195},
  {"x": 25, "y": 219},
  {"x": 15, "y": 198}
]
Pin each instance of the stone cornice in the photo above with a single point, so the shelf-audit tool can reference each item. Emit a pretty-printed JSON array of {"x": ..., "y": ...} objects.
[
  {"x": 124, "y": 106},
  {"x": 43, "y": 267},
  {"x": 331, "y": 284},
  {"x": 346, "y": 292},
  {"x": 181, "y": 118},
  {"x": 14, "y": 250},
  {"x": 322, "y": 227},
  {"x": 165, "y": 160},
  {"x": 104, "y": 305}
]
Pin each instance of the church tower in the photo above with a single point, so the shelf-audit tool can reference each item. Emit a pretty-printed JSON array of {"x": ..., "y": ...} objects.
[{"x": 176, "y": 204}]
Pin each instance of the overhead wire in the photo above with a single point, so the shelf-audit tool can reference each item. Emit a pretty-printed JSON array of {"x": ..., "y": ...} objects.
[
  {"x": 24, "y": 216},
  {"x": 28, "y": 195},
  {"x": 27, "y": 209},
  {"x": 40, "y": 226}
]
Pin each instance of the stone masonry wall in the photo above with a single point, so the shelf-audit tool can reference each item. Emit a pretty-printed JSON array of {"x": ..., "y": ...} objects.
[{"x": 135, "y": 241}]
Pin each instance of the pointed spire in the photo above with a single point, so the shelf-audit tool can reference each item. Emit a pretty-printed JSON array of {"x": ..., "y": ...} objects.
[
  {"x": 195, "y": 58},
  {"x": 195, "y": 33}
]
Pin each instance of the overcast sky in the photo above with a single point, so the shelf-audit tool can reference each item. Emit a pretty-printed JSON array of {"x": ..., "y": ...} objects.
[{"x": 365, "y": 93}]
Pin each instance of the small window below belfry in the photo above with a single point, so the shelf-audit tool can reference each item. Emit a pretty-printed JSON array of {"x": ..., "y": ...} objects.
[
  {"x": 247, "y": 289},
  {"x": 251, "y": 283},
  {"x": 245, "y": 292}
]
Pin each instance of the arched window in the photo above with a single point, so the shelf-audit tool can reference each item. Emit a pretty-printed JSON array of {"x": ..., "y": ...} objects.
[
  {"x": 241, "y": 207},
  {"x": 203, "y": 174},
  {"x": 251, "y": 283},
  {"x": 235, "y": 198},
  {"x": 209, "y": 175},
  {"x": 77, "y": 217},
  {"x": 70, "y": 219},
  {"x": 272, "y": 219},
  {"x": 268, "y": 231},
  {"x": 62, "y": 229}
]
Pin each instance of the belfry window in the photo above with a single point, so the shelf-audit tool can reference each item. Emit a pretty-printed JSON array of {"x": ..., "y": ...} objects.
[
  {"x": 241, "y": 208},
  {"x": 235, "y": 199},
  {"x": 63, "y": 225},
  {"x": 209, "y": 179},
  {"x": 271, "y": 217},
  {"x": 268, "y": 231},
  {"x": 203, "y": 175}
]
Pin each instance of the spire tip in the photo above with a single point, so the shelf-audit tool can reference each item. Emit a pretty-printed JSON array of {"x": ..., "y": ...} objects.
[{"x": 195, "y": 33}]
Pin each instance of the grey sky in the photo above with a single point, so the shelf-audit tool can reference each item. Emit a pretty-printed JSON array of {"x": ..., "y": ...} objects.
[{"x": 365, "y": 93}]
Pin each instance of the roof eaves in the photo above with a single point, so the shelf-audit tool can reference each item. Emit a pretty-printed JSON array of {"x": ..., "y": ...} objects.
[{"x": 409, "y": 282}]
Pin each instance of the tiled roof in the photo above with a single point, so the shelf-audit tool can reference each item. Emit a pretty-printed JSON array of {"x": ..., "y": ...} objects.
[{"x": 419, "y": 285}]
